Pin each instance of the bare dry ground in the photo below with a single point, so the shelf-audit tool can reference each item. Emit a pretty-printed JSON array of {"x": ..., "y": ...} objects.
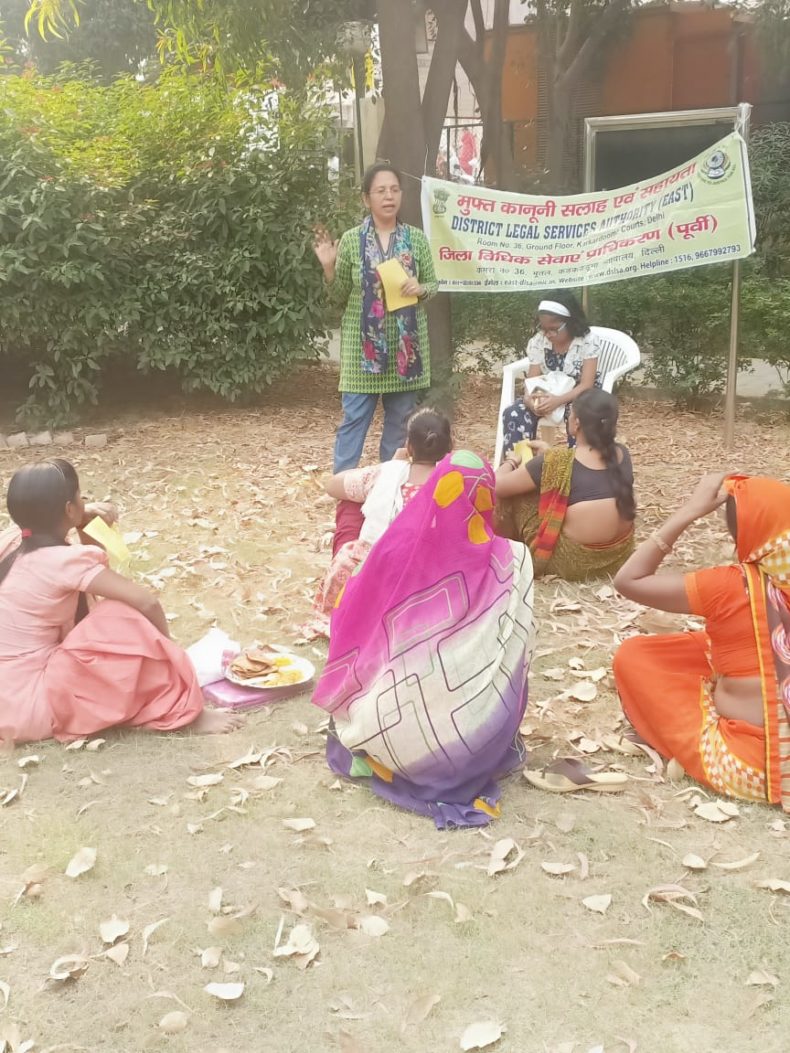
[{"x": 230, "y": 511}]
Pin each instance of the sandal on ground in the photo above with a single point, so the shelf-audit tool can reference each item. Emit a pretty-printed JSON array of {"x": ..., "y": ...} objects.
[
  {"x": 623, "y": 744},
  {"x": 570, "y": 775}
]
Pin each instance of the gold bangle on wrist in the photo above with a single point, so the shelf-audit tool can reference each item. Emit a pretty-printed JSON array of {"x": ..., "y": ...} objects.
[{"x": 659, "y": 542}]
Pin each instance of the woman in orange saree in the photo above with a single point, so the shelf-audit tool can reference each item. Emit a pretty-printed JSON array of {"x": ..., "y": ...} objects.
[{"x": 718, "y": 700}]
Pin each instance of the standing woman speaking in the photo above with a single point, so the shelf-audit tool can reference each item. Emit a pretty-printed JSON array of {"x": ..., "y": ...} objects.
[{"x": 382, "y": 352}]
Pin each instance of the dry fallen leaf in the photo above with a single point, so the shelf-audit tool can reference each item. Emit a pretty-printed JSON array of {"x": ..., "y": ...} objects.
[
  {"x": 11, "y": 1040},
  {"x": 173, "y": 1022},
  {"x": 462, "y": 914},
  {"x": 482, "y": 1034},
  {"x": 5, "y": 991},
  {"x": 694, "y": 862},
  {"x": 713, "y": 811},
  {"x": 118, "y": 953},
  {"x": 774, "y": 884},
  {"x": 252, "y": 756},
  {"x": 598, "y": 904},
  {"x": 675, "y": 771},
  {"x": 211, "y": 778},
  {"x": 302, "y": 946},
  {"x": 210, "y": 957},
  {"x": 81, "y": 863},
  {"x": 505, "y": 855},
  {"x": 419, "y": 1011},
  {"x": 69, "y": 967},
  {"x": 739, "y": 864},
  {"x": 673, "y": 896},
  {"x": 265, "y": 782},
  {"x": 673, "y": 956},
  {"x": 148, "y": 932},
  {"x": 225, "y": 992},
  {"x": 299, "y": 825},
  {"x": 375, "y": 898},
  {"x": 584, "y": 691},
  {"x": 565, "y": 822},
  {"x": 294, "y": 899},
  {"x": 31, "y": 761},
  {"x": 557, "y": 869},
  {"x": 224, "y": 926},
  {"x": 373, "y": 925},
  {"x": 112, "y": 930},
  {"x": 622, "y": 975},
  {"x": 156, "y": 869},
  {"x": 761, "y": 998},
  {"x": 215, "y": 900},
  {"x": 760, "y": 978}
]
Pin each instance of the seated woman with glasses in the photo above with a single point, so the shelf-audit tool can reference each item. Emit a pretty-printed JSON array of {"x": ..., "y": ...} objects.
[{"x": 563, "y": 344}]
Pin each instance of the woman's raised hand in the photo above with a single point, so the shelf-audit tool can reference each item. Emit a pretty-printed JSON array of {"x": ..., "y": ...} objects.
[
  {"x": 105, "y": 510},
  {"x": 708, "y": 495},
  {"x": 325, "y": 249}
]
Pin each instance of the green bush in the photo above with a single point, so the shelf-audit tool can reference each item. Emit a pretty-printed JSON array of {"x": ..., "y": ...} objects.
[{"x": 168, "y": 224}]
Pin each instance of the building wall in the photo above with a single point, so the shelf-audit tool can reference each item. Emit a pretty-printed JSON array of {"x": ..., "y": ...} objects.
[{"x": 673, "y": 58}]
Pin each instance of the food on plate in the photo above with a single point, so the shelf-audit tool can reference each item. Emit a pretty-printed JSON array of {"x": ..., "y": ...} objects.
[
  {"x": 255, "y": 662},
  {"x": 262, "y": 666}
]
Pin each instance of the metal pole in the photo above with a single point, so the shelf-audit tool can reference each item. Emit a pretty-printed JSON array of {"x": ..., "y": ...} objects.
[
  {"x": 359, "y": 88},
  {"x": 730, "y": 399},
  {"x": 732, "y": 363},
  {"x": 589, "y": 188}
]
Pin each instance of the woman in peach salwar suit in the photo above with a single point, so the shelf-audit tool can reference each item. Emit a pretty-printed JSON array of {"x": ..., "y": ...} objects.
[
  {"x": 66, "y": 672},
  {"x": 718, "y": 700}
]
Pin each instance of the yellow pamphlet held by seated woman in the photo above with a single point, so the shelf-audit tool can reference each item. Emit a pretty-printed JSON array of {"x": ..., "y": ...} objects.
[
  {"x": 393, "y": 274},
  {"x": 111, "y": 541}
]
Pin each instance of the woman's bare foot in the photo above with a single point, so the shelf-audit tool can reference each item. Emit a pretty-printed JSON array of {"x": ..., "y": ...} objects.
[{"x": 216, "y": 722}]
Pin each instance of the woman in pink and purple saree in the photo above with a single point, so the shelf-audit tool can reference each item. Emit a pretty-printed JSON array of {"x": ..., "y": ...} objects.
[{"x": 426, "y": 678}]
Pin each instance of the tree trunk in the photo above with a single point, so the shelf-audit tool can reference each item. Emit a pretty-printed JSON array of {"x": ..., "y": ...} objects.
[
  {"x": 561, "y": 118},
  {"x": 492, "y": 152},
  {"x": 405, "y": 136},
  {"x": 569, "y": 50},
  {"x": 440, "y": 334},
  {"x": 450, "y": 19},
  {"x": 405, "y": 144},
  {"x": 476, "y": 67}
]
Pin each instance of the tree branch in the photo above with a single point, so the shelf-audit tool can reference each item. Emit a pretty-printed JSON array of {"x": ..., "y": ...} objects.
[
  {"x": 601, "y": 28},
  {"x": 480, "y": 23},
  {"x": 570, "y": 43},
  {"x": 450, "y": 21}
]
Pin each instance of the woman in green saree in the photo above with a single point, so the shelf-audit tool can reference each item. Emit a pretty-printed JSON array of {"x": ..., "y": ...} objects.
[{"x": 574, "y": 507}]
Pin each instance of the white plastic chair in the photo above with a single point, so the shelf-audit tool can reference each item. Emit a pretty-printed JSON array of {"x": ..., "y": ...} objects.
[{"x": 619, "y": 355}]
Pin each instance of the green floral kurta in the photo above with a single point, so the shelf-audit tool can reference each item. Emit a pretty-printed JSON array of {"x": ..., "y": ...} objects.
[{"x": 347, "y": 287}]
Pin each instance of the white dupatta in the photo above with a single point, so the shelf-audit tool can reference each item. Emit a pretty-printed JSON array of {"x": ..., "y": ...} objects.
[{"x": 384, "y": 501}]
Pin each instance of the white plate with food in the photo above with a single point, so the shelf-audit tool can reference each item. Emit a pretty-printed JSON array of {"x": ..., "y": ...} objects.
[{"x": 269, "y": 667}]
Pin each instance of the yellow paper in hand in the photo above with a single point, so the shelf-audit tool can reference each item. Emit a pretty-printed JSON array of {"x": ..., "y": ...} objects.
[
  {"x": 523, "y": 450},
  {"x": 110, "y": 539},
  {"x": 393, "y": 275}
]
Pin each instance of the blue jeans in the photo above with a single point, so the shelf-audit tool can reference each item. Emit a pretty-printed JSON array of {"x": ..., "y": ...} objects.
[{"x": 358, "y": 412}]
